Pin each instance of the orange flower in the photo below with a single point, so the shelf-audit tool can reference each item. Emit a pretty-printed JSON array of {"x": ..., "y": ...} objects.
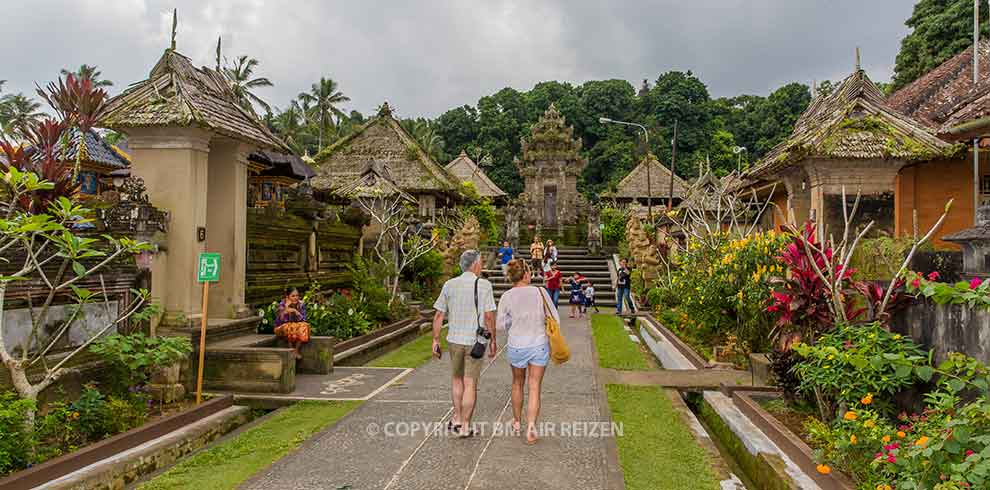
[
  {"x": 883, "y": 487},
  {"x": 852, "y": 439},
  {"x": 823, "y": 469},
  {"x": 885, "y": 439},
  {"x": 868, "y": 399},
  {"x": 850, "y": 415},
  {"x": 901, "y": 434},
  {"x": 922, "y": 441}
]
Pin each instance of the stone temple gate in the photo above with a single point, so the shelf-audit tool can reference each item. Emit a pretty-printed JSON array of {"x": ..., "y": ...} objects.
[
  {"x": 190, "y": 141},
  {"x": 550, "y": 165}
]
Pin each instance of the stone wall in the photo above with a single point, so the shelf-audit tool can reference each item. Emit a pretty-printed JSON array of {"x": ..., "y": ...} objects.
[
  {"x": 289, "y": 250},
  {"x": 947, "y": 328}
]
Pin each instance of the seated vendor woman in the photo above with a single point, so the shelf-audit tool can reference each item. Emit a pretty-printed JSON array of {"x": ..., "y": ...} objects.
[{"x": 290, "y": 320}]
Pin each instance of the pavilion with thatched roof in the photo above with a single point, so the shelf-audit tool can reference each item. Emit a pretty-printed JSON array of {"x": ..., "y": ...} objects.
[
  {"x": 465, "y": 170},
  {"x": 382, "y": 139},
  {"x": 852, "y": 139},
  {"x": 649, "y": 181}
]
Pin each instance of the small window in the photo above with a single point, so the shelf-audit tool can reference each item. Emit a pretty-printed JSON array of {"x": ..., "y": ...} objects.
[{"x": 985, "y": 185}]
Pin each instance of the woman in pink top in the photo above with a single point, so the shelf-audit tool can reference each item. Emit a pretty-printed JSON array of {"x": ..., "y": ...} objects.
[{"x": 522, "y": 312}]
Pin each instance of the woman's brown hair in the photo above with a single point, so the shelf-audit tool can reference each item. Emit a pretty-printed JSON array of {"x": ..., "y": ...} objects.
[{"x": 516, "y": 269}]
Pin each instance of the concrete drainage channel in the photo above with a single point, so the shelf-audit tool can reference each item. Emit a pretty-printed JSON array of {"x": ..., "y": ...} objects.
[{"x": 753, "y": 460}]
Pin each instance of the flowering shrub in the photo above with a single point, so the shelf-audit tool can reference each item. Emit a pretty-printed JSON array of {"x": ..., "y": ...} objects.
[
  {"x": 975, "y": 292},
  {"x": 851, "y": 363},
  {"x": 724, "y": 290},
  {"x": 851, "y": 443}
]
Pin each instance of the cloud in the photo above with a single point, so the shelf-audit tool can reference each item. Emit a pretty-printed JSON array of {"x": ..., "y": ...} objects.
[{"x": 427, "y": 56}]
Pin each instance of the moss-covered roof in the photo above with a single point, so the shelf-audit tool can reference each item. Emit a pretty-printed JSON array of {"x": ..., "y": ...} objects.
[
  {"x": 376, "y": 180},
  {"x": 382, "y": 139},
  {"x": 178, "y": 94},
  {"x": 635, "y": 184},
  {"x": 465, "y": 170},
  {"x": 854, "y": 122}
]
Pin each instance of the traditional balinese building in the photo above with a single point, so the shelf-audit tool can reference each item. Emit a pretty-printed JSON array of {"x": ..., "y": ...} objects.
[
  {"x": 464, "y": 168},
  {"x": 649, "y": 183},
  {"x": 851, "y": 139},
  {"x": 97, "y": 160},
  {"x": 383, "y": 140},
  {"x": 550, "y": 164},
  {"x": 272, "y": 174},
  {"x": 944, "y": 100}
]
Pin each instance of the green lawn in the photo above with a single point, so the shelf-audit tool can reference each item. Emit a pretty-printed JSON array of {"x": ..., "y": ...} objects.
[
  {"x": 657, "y": 450},
  {"x": 228, "y": 464},
  {"x": 413, "y": 354},
  {"x": 615, "y": 349}
]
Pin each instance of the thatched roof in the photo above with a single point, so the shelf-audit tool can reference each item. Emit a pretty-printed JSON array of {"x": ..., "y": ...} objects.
[
  {"x": 635, "y": 184},
  {"x": 382, "y": 140},
  {"x": 936, "y": 95},
  {"x": 178, "y": 94},
  {"x": 466, "y": 170},
  {"x": 91, "y": 149},
  {"x": 375, "y": 180},
  {"x": 854, "y": 122},
  {"x": 282, "y": 164}
]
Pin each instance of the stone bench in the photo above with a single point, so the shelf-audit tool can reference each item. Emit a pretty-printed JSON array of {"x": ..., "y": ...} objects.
[{"x": 261, "y": 363}]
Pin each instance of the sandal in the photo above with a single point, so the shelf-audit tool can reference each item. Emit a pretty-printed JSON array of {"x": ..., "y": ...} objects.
[
  {"x": 466, "y": 435},
  {"x": 453, "y": 427}
]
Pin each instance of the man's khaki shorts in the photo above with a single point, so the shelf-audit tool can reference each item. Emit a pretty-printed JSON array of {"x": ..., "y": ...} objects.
[{"x": 462, "y": 364}]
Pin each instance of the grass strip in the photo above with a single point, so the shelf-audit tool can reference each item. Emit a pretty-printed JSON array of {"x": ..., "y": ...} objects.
[
  {"x": 413, "y": 354},
  {"x": 230, "y": 463},
  {"x": 615, "y": 349},
  {"x": 656, "y": 449}
]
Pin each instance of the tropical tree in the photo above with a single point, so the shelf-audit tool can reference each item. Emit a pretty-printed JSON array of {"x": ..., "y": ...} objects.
[
  {"x": 89, "y": 72},
  {"x": 326, "y": 97},
  {"x": 242, "y": 82},
  {"x": 940, "y": 29},
  {"x": 17, "y": 112}
]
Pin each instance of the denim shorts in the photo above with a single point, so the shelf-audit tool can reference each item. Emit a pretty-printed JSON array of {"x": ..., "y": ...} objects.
[{"x": 538, "y": 355}]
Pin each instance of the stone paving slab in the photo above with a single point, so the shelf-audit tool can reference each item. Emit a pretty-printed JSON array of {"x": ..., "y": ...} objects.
[
  {"x": 375, "y": 448},
  {"x": 344, "y": 383}
]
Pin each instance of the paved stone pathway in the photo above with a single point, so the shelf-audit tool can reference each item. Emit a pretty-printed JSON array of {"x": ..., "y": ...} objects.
[{"x": 357, "y": 453}]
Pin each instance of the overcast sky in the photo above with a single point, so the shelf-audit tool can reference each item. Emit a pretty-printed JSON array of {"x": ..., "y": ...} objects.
[{"x": 427, "y": 56}]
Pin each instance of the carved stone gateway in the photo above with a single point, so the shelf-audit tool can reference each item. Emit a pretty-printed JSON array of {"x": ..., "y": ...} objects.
[{"x": 550, "y": 165}]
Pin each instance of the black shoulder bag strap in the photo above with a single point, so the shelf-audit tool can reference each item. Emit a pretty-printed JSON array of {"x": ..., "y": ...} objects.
[{"x": 477, "y": 310}]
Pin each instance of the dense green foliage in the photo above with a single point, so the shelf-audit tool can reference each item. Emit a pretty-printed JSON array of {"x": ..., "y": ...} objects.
[
  {"x": 15, "y": 438},
  {"x": 134, "y": 358},
  {"x": 613, "y": 222},
  {"x": 940, "y": 29}
]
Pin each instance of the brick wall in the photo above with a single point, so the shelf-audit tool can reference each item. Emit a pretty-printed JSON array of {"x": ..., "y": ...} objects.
[{"x": 926, "y": 187}]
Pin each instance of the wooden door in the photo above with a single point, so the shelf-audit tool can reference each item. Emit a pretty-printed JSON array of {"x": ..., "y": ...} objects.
[{"x": 550, "y": 205}]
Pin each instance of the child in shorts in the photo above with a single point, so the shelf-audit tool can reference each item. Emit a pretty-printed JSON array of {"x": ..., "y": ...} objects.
[{"x": 589, "y": 298}]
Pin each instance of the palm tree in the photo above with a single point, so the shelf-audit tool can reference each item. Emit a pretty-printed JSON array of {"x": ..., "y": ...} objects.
[
  {"x": 18, "y": 111},
  {"x": 289, "y": 124},
  {"x": 90, "y": 72},
  {"x": 239, "y": 74},
  {"x": 326, "y": 97}
]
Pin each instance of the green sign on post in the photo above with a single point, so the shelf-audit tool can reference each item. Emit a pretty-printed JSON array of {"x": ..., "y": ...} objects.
[{"x": 209, "y": 267}]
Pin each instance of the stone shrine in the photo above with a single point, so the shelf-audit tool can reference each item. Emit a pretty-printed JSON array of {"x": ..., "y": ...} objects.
[{"x": 550, "y": 165}]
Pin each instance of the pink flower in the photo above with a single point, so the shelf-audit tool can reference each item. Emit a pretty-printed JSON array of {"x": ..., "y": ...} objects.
[
  {"x": 933, "y": 276},
  {"x": 916, "y": 283},
  {"x": 877, "y": 455},
  {"x": 891, "y": 459},
  {"x": 975, "y": 282},
  {"x": 970, "y": 452}
]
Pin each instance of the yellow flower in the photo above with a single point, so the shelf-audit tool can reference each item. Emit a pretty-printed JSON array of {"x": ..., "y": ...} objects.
[
  {"x": 823, "y": 469},
  {"x": 897, "y": 337},
  {"x": 869, "y": 424},
  {"x": 850, "y": 415},
  {"x": 868, "y": 399},
  {"x": 852, "y": 439},
  {"x": 901, "y": 434},
  {"x": 883, "y": 487},
  {"x": 923, "y": 441}
]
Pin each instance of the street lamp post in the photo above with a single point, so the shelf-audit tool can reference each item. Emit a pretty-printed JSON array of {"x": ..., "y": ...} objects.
[
  {"x": 646, "y": 142},
  {"x": 738, "y": 151}
]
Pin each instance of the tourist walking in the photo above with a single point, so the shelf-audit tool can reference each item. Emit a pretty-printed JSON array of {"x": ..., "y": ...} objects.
[
  {"x": 536, "y": 254},
  {"x": 552, "y": 281},
  {"x": 522, "y": 311},
  {"x": 576, "y": 283},
  {"x": 467, "y": 302},
  {"x": 290, "y": 320},
  {"x": 550, "y": 253},
  {"x": 622, "y": 284},
  {"x": 505, "y": 255}
]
